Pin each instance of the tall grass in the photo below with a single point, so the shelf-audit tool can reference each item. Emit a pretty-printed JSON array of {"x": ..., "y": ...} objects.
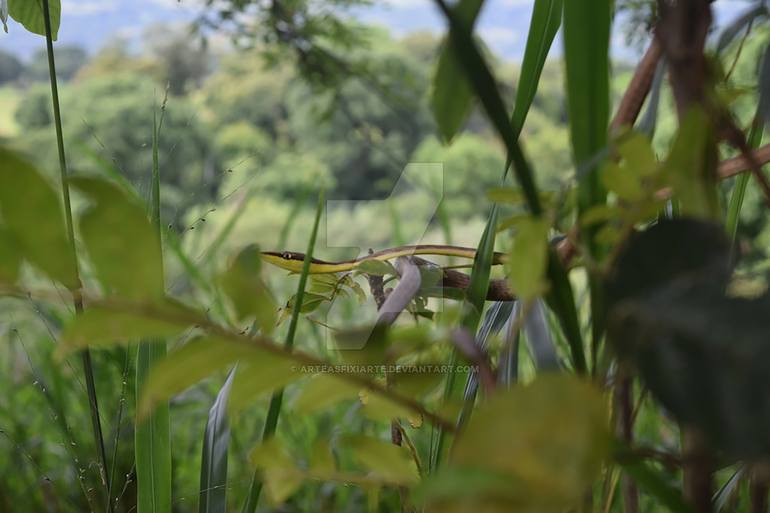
[{"x": 88, "y": 370}]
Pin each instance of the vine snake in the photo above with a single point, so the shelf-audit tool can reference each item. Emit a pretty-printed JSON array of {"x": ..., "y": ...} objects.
[{"x": 292, "y": 261}]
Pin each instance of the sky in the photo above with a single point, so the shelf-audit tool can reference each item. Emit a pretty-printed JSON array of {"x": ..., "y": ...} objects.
[{"x": 503, "y": 23}]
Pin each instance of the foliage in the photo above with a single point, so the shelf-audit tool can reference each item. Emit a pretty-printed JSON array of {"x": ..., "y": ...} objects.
[{"x": 620, "y": 229}]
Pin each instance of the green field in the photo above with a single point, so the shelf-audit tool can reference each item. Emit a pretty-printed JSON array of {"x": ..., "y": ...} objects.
[{"x": 9, "y": 99}]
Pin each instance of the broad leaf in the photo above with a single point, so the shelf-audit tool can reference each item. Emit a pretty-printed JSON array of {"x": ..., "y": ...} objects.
[
  {"x": 536, "y": 448},
  {"x": 451, "y": 97},
  {"x": 202, "y": 357},
  {"x": 10, "y": 257},
  {"x": 33, "y": 217},
  {"x": 528, "y": 259},
  {"x": 122, "y": 243},
  {"x": 247, "y": 291},
  {"x": 281, "y": 475},
  {"x": 30, "y": 14},
  {"x": 386, "y": 461},
  {"x": 321, "y": 392},
  {"x": 691, "y": 166},
  {"x": 100, "y": 325}
]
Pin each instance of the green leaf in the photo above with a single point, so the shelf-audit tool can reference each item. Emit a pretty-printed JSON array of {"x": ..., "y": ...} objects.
[
  {"x": 451, "y": 96},
  {"x": 386, "y": 461},
  {"x": 476, "y": 296},
  {"x": 152, "y": 445},
  {"x": 183, "y": 367},
  {"x": 741, "y": 182},
  {"x": 528, "y": 259},
  {"x": 216, "y": 441},
  {"x": 477, "y": 72},
  {"x": 376, "y": 267},
  {"x": 105, "y": 325},
  {"x": 152, "y": 436},
  {"x": 586, "y": 54},
  {"x": 122, "y": 243},
  {"x": 545, "y": 22},
  {"x": 379, "y": 408},
  {"x": 321, "y": 461},
  {"x": 281, "y": 475},
  {"x": 321, "y": 392},
  {"x": 34, "y": 218},
  {"x": 276, "y": 401},
  {"x": 764, "y": 85},
  {"x": 10, "y": 257},
  {"x": 247, "y": 291},
  {"x": 549, "y": 439},
  {"x": 691, "y": 166},
  {"x": 652, "y": 482},
  {"x": 30, "y": 14}
]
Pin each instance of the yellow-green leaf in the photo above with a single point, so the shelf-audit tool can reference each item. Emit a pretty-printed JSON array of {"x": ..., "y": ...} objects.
[
  {"x": 691, "y": 166},
  {"x": 195, "y": 361},
  {"x": 34, "y": 219},
  {"x": 100, "y": 325},
  {"x": 528, "y": 260},
  {"x": 281, "y": 475},
  {"x": 323, "y": 391},
  {"x": 247, "y": 291},
  {"x": 549, "y": 438},
  {"x": 384, "y": 460},
  {"x": 121, "y": 242}
]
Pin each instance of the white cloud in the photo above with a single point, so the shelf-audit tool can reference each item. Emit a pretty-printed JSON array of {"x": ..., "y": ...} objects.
[{"x": 88, "y": 7}]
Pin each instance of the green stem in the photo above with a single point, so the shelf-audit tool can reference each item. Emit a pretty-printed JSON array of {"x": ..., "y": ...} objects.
[
  {"x": 276, "y": 400},
  {"x": 88, "y": 370}
]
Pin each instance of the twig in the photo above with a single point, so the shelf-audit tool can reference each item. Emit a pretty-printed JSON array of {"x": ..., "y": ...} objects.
[{"x": 639, "y": 87}]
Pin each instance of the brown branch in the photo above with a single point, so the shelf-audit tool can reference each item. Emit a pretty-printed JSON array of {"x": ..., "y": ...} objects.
[
  {"x": 737, "y": 165},
  {"x": 638, "y": 89}
]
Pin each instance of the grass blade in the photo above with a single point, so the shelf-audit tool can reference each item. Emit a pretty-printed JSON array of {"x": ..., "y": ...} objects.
[
  {"x": 586, "y": 53},
  {"x": 475, "y": 297},
  {"x": 216, "y": 440},
  {"x": 545, "y": 22},
  {"x": 88, "y": 371},
  {"x": 539, "y": 339},
  {"x": 152, "y": 435},
  {"x": 741, "y": 182},
  {"x": 485, "y": 87},
  {"x": 560, "y": 297},
  {"x": 276, "y": 401}
]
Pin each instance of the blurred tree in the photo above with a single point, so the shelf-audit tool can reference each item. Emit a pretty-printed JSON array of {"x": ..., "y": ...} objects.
[
  {"x": 472, "y": 164},
  {"x": 114, "y": 58},
  {"x": 10, "y": 67},
  {"x": 34, "y": 110},
  {"x": 112, "y": 117},
  {"x": 69, "y": 59},
  {"x": 245, "y": 89},
  {"x": 183, "y": 64}
]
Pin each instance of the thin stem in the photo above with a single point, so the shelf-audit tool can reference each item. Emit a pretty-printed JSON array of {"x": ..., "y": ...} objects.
[{"x": 78, "y": 302}]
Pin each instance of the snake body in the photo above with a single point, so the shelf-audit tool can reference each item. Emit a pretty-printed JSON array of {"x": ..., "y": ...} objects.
[{"x": 292, "y": 261}]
